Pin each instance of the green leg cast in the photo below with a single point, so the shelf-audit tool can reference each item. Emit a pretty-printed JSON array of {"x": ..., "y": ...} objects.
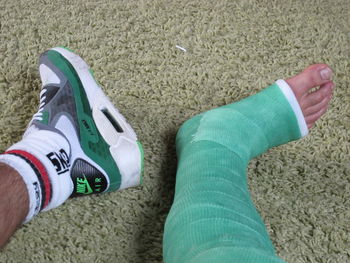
[{"x": 213, "y": 218}]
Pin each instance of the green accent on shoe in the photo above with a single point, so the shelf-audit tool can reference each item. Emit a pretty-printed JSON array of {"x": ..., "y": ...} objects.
[
  {"x": 91, "y": 141},
  {"x": 92, "y": 73},
  {"x": 142, "y": 160},
  {"x": 45, "y": 117},
  {"x": 83, "y": 186}
]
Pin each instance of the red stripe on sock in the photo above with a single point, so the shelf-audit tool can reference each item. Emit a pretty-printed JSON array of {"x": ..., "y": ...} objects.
[{"x": 42, "y": 170}]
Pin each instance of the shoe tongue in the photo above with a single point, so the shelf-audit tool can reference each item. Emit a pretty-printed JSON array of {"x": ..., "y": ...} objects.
[
  {"x": 50, "y": 92},
  {"x": 45, "y": 98}
]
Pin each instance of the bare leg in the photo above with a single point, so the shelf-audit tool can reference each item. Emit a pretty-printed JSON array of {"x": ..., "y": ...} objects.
[{"x": 13, "y": 202}]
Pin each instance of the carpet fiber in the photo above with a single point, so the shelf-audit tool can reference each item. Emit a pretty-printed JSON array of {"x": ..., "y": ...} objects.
[{"x": 233, "y": 49}]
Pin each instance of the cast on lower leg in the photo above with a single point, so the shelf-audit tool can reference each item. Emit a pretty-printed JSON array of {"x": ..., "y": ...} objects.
[{"x": 213, "y": 218}]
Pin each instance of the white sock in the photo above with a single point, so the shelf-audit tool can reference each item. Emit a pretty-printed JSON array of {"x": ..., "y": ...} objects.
[{"x": 42, "y": 158}]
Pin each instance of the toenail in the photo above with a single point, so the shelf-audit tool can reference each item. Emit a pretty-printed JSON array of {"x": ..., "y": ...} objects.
[{"x": 326, "y": 73}]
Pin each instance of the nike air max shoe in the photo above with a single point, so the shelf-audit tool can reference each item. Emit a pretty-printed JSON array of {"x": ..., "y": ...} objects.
[
  {"x": 105, "y": 154},
  {"x": 77, "y": 143}
]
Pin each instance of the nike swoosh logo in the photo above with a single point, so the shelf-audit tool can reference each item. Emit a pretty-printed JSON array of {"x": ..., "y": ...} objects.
[{"x": 83, "y": 186}]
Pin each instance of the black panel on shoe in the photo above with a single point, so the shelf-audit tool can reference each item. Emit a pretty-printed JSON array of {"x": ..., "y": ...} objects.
[{"x": 87, "y": 179}]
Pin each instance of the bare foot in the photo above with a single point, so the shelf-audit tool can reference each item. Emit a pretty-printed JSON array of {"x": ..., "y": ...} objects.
[{"x": 313, "y": 104}]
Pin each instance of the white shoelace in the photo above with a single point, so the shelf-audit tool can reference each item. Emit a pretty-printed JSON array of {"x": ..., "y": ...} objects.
[{"x": 39, "y": 115}]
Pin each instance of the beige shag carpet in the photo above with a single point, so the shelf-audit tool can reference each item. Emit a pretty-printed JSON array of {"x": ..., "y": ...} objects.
[{"x": 234, "y": 49}]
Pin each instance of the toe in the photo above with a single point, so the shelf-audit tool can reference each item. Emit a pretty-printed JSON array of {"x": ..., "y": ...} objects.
[
  {"x": 314, "y": 98},
  {"x": 310, "y": 120},
  {"x": 317, "y": 107},
  {"x": 313, "y": 76}
]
